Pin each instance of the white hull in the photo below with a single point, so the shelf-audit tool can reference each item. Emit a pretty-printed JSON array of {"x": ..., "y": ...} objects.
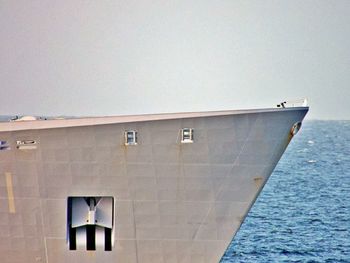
[{"x": 173, "y": 202}]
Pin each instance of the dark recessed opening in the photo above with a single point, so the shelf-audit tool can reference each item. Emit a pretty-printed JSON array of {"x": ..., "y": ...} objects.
[{"x": 90, "y": 222}]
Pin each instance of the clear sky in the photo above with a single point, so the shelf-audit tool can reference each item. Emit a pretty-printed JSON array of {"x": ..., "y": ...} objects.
[{"x": 137, "y": 56}]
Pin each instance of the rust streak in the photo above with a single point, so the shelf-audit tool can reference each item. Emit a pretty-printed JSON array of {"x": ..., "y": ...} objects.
[
  {"x": 258, "y": 181},
  {"x": 10, "y": 196}
]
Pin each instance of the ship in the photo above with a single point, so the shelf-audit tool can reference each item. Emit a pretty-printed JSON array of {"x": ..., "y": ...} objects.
[{"x": 144, "y": 188}]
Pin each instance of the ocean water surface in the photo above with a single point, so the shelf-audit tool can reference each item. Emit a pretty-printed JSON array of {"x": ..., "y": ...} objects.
[{"x": 303, "y": 213}]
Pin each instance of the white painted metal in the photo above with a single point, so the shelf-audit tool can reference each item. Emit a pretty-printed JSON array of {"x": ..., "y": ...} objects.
[{"x": 174, "y": 202}]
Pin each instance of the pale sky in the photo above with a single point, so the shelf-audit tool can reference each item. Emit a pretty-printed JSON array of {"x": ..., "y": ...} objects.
[{"x": 130, "y": 57}]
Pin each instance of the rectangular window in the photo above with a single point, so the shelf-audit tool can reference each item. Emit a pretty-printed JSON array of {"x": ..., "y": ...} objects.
[
  {"x": 187, "y": 135},
  {"x": 4, "y": 146},
  {"x": 27, "y": 145},
  {"x": 130, "y": 137}
]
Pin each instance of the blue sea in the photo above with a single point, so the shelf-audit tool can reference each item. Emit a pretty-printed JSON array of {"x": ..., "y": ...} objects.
[{"x": 303, "y": 212}]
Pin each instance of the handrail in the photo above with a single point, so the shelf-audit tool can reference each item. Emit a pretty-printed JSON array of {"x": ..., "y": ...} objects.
[{"x": 293, "y": 103}]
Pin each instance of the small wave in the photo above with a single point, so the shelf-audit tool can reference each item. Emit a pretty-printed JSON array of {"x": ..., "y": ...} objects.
[
  {"x": 310, "y": 142},
  {"x": 303, "y": 150},
  {"x": 294, "y": 252},
  {"x": 311, "y": 161},
  {"x": 316, "y": 221}
]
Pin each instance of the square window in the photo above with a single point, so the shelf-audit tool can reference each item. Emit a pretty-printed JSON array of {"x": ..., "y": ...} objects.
[
  {"x": 130, "y": 137},
  {"x": 187, "y": 135}
]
